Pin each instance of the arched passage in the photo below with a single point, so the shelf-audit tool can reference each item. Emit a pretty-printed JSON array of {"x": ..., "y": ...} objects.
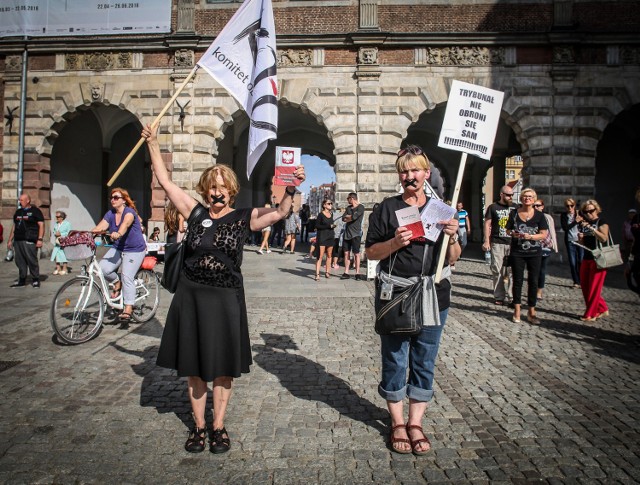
[
  {"x": 425, "y": 132},
  {"x": 91, "y": 144},
  {"x": 618, "y": 168},
  {"x": 297, "y": 127}
]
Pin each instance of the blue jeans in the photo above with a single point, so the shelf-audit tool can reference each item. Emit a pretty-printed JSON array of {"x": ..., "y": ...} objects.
[
  {"x": 575, "y": 254},
  {"x": 418, "y": 354}
]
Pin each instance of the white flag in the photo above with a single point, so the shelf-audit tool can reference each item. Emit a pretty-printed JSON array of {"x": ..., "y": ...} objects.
[{"x": 243, "y": 60}]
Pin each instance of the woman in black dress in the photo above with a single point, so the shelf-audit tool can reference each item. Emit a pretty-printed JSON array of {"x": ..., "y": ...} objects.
[
  {"x": 527, "y": 228},
  {"x": 324, "y": 237},
  {"x": 206, "y": 336}
]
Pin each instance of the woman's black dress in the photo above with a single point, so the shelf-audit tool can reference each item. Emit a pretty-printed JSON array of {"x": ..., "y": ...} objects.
[
  {"x": 324, "y": 236},
  {"x": 207, "y": 333}
]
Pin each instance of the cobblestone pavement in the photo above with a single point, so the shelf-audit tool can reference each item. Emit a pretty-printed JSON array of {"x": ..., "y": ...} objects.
[{"x": 514, "y": 403}]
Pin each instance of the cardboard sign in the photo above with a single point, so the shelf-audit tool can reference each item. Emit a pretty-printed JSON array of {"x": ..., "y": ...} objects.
[
  {"x": 287, "y": 159},
  {"x": 471, "y": 120}
]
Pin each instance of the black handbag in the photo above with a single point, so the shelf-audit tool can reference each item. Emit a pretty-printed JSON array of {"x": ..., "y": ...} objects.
[
  {"x": 174, "y": 256},
  {"x": 402, "y": 314}
]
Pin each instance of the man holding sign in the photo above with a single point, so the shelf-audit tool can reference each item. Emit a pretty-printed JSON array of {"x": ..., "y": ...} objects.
[{"x": 406, "y": 258}]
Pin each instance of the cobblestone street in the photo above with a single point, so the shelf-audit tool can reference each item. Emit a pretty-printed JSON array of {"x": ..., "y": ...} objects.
[{"x": 515, "y": 403}]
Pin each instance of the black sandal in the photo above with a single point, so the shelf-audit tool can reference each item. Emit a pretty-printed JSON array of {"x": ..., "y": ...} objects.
[
  {"x": 125, "y": 317},
  {"x": 196, "y": 440},
  {"x": 219, "y": 444}
]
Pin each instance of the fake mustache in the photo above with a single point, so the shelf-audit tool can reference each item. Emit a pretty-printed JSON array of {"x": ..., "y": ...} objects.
[
  {"x": 410, "y": 183},
  {"x": 215, "y": 199}
]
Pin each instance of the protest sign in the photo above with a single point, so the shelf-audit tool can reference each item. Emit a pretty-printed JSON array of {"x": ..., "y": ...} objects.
[
  {"x": 471, "y": 119},
  {"x": 287, "y": 159}
]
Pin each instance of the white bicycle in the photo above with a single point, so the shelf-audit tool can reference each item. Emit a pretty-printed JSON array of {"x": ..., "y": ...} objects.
[{"x": 82, "y": 304}]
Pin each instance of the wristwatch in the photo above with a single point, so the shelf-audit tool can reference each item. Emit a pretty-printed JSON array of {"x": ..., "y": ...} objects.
[
  {"x": 453, "y": 239},
  {"x": 291, "y": 194},
  {"x": 40, "y": 239}
]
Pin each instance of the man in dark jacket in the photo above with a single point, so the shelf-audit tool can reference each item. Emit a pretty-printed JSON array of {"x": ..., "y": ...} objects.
[{"x": 25, "y": 239}]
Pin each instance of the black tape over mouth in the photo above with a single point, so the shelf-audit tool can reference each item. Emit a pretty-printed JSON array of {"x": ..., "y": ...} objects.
[
  {"x": 215, "y": 199},
  {"x": 410, "y": 183}
]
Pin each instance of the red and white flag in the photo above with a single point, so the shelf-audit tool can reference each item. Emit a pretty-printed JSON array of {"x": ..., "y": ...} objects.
[{"x": 243, "y": 60}]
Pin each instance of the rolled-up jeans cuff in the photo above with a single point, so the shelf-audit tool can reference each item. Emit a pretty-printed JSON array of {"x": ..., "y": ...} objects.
[
  {"x": 420, "y": 395},
  {"x": 394, "y": 396}
]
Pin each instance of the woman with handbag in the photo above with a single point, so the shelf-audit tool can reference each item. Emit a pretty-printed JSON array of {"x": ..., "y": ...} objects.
[
  {"x": 414, "y": 260},
  {"x": 206, "y": 336},
  {"x": 593, "y": 229},
  {"x": 527, "y": 228}
]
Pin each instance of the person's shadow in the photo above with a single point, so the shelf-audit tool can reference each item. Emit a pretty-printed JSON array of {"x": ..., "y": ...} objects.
[
  {"x": 306, "y": 379},
  {"x": 161, "y": 388}
]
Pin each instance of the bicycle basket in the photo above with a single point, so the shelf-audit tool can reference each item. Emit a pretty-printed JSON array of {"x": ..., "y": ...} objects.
[
  {"x": 148, "y": 262},
  {"x": 78, "y": 245}
]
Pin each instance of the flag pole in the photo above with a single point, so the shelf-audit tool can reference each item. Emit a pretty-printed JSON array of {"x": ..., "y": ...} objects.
[
  {"x": 155, "y": 123},
  {"x": 454, "y": 201}
]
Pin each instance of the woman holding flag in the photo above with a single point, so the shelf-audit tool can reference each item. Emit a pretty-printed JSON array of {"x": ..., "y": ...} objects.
[{"x": 206, "y": 336}]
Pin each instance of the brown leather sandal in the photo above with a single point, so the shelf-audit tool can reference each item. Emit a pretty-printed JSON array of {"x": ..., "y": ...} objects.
[
  {"x": 415, "y": 443},
  {"x": 395, "y": 440}
]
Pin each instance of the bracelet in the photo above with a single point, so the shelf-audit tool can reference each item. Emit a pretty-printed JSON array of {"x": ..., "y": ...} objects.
[
  {"x": 453, "y": 239},
  {"x": 40, "y": 239},
  {"x": 291, "y": 194}
]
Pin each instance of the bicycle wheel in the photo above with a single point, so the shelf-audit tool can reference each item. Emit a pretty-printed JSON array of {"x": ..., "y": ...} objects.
[
  {"x": 147, "y": 295},
  {"x": 77, "y": 311}
]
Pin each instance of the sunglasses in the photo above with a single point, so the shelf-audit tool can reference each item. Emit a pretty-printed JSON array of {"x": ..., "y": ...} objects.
[
  {"x": 115, "y": 197},
  {"x": 589, "y": 211},
  {"x": 58, "y": 217},
  {"x": 538, "y": 205},
  {"x": 569, "y": 206},
  {"x": 507, "y": 195},
  {"x": 413, "y": 149}
]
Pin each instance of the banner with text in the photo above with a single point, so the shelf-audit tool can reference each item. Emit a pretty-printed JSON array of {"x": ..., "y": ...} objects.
[
  {"x": 471, "y": 120},
  {"x": 43, "y": 18}
]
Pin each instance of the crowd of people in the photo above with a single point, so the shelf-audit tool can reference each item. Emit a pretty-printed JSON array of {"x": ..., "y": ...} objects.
[{"x": 206, "y": 333}]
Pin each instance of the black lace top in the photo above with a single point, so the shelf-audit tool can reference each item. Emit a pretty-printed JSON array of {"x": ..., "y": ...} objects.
[{"x": 213, "y": 252}]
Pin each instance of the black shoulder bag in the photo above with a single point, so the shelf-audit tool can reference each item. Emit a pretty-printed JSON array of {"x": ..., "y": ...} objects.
[
  {"x": 403, "y": 313},
  {"x": 174, "y": 256}
]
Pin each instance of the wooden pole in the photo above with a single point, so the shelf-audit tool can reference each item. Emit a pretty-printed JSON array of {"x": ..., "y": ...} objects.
[
  {"x": 155, "y": 123},
  {"x": 454, "y": 201}
]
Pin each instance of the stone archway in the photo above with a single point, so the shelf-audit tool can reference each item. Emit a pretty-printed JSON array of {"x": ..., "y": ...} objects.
[
  {"x": 297, "y": 127},
  {"x": 618, "y": 168},
  {"x": 89, "y": 147},
  {"x": 425, "y": 132}
]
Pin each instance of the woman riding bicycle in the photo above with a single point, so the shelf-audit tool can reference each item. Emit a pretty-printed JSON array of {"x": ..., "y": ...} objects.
[{"x": 122, "y": 223}]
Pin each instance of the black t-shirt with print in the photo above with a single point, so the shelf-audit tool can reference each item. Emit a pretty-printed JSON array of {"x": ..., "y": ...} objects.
[
  {"x": 407, "y": 262},
  {"x": 26, "y": 224},
  {"x": 499, "y": 215},
  {"x": 527, "y": 247},
  {"x": 589, "y": 238}
]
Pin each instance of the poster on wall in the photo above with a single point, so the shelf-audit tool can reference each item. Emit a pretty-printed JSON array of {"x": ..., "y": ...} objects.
[{"x": 43, "y": 18}]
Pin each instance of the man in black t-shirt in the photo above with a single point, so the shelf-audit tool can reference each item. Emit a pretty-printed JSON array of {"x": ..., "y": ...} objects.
[
  {"x": 498, "y": 242},
  {"x": 25, "y": 239},
  {"x": 353, "y": 217}
]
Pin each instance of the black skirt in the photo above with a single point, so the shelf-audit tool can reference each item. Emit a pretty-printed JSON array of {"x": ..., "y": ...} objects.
[{"x": 207, "y": 332}]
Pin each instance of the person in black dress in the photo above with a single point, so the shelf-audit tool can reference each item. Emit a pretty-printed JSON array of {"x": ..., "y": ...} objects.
[
  {"x": 324, "y": 237},
  {"x": 527, "y": 228},
  {"x": 206, "y": 336}
]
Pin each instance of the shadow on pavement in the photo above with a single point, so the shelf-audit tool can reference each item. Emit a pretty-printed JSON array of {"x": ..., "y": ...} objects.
[{"x": 309, "y": 380}]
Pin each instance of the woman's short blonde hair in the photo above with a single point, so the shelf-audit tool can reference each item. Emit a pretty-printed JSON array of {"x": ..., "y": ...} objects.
[
  {"x": 592, "y": 202},
  {"x": 528, "y": 190},
  {"x": 412, "y": 155},
  {"x": 208, "y": 181},
  {"x": 570, "y": 201}
]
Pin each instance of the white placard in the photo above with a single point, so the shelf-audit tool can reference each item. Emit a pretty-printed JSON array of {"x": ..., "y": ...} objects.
[
  {"x": 471, "y": 119},
  {"x": 44, "y": 18}
]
